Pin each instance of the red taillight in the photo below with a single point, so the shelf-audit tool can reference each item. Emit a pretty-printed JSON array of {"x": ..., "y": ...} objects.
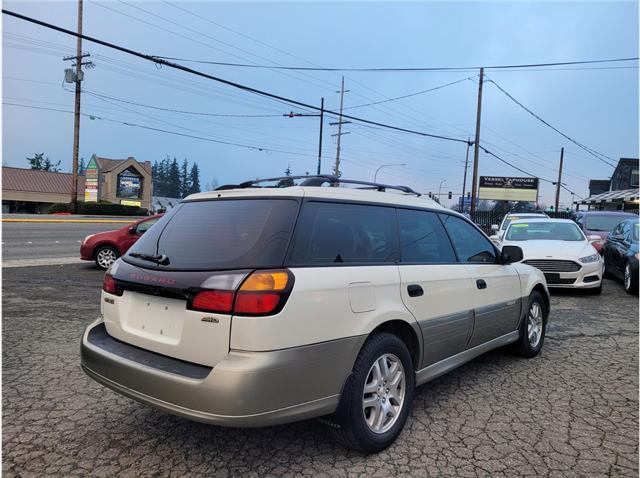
[
  {"x": 261, "y": 293},
  {"x": 109, "y": 285},
  {"x": 255, "y": 303},
  {"x": 213, "y": 301}
]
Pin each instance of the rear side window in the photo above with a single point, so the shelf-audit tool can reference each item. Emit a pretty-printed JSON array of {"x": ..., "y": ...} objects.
[
  {"x": 423, "y": 239},
  {"x": 221, "y": 234},
  {"x": 470, "y": 244},
  {"x": 333, "y": 233}
]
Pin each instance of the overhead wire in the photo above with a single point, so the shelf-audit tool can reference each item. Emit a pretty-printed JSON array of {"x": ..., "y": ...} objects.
[
  {"x": 589, "y": 150},
  {"x": 404, "y": 69},
  {"x": 387, "y": 110},
  {"x": 218, "y": 79}
]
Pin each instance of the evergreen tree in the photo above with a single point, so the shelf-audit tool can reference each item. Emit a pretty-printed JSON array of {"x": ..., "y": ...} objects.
[
  {"x": 173, "y": 179},
  {"x": 211, "y": 185},
  {"x": 44, "y": 164},
  {"x": 286, "y": 182},
  {"x": 185, "y": 186},
  {"x": 194, "y": 179}
]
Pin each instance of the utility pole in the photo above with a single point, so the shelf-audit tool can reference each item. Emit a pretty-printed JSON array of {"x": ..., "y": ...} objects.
[
  {"x": 559, "y": 183},
  {"x": 336, "y": 168},
  {"x": 320, "y": 142},
  {"x": 76, "y": 117},
  {"x": 476, "y": 147},
  {"x": 464, "y": 181},
  {"x": 291, "y": 114}
]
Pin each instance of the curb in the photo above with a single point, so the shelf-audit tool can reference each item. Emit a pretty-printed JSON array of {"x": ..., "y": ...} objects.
[
  {"x": 43, "y": 261},
  {"x": 89, "y": 221}
]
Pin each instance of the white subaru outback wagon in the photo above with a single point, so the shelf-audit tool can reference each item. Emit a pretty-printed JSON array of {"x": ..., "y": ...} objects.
[{"x": 251, "y": 306}]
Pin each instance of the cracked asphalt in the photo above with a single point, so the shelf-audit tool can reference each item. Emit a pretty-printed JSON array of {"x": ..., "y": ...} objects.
[{"x": 572, "y": 411}]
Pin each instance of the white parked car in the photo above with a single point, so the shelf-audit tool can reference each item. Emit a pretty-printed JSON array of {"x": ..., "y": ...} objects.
[
  {"x": 498, "y": 231},
  {"x": 559, "y": 248},
  {"x": 253, "y": 306}
]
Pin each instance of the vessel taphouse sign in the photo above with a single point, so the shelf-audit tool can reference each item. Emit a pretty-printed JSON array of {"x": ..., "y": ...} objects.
[{"x": 508, "y": 188}]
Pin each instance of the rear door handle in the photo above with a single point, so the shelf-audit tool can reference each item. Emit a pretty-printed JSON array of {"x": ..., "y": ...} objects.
[
  {"x": 481, "y": 284},
  {"x": 414, "y": 290}
]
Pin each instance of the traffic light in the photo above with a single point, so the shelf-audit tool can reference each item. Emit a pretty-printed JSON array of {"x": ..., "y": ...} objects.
[{"x": 450, "y": 195}]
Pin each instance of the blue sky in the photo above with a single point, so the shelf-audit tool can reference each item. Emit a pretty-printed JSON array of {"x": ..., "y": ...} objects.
[{"x": 598, "y": 107}]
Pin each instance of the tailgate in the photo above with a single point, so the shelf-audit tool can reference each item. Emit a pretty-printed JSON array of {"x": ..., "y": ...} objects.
[{"x": 164, "y": 325}]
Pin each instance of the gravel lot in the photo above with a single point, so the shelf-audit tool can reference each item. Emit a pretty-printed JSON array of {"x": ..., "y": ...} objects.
[{"x": 572, "y": 411}]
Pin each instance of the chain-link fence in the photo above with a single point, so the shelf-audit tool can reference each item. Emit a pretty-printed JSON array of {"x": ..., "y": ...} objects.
[{"x": 484, "y": 219}]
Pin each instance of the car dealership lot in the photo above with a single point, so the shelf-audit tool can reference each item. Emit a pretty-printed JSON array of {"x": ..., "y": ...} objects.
[{"x": 572, "y": 411}]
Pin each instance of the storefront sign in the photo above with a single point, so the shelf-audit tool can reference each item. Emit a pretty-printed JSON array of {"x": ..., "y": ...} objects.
[
  {"x": 91, "y": 182},
  {"x": 508, "y": 188}
]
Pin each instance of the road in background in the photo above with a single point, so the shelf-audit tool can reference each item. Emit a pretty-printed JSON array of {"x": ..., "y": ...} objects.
[{"x": 34, "y": 240}]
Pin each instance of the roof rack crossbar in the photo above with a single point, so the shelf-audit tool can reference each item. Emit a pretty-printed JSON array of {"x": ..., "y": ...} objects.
[{"x": 319, "y": 180}]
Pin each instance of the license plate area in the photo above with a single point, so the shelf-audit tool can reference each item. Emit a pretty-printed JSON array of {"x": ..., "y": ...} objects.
[
  {"x": 156, "y": 318},
  {"x": 552, "y": 275}
]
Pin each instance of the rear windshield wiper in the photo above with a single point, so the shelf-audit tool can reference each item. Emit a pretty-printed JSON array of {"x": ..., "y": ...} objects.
[{"x": 158, "y": 259}]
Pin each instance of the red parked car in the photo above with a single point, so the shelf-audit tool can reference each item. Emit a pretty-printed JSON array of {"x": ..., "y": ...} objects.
[{"x": 105, "y": 247}]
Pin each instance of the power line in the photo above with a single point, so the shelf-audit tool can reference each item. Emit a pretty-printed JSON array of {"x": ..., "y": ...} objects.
[
  {"x": 160, "y": 130},
  {"x": 409, "y": 95},
  {"x": 589, "y": 150},
  {"x": 387, "y": 111},
  {"x": 249, "y": 89},
  {"x": 449, "y": 68},
  {"x": 204, "y": 35},
  {"x": 160, "y": 108}
]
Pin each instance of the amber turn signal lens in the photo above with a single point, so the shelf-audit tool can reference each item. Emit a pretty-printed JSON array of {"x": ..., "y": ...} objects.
[{"x": 263, "y": 281}]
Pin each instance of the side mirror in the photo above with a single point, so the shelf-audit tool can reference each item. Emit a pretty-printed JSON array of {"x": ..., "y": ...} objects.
[
  {"x": 132, "y": 230},
  {"x": 594, "y": 238},
  {"x": 494, "y": 228},
  {"x": 511, "y": 254}
]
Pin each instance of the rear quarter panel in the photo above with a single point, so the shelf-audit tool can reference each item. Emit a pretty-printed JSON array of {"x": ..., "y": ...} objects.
[{"x": 326, "y": 303}]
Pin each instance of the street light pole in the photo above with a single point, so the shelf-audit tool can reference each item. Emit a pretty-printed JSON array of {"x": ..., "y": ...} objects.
[
  {"x": 384, "y": 166},
  {"x": 440, "y": 188}
]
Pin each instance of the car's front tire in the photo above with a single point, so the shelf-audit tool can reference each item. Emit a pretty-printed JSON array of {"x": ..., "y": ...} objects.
[
  {"x": 105, "y": 256},
  {"x": 377, "y": 397},
  {"x": 596, "y": 290},
  {"x": 533, "y": 327}
]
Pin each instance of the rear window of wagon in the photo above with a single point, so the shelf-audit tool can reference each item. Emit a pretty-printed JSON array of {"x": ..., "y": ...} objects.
[{"x": 220, "y": 234}]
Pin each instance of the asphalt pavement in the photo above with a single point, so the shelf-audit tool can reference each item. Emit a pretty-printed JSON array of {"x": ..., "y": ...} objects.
[
  {"x": 571, "y": 411},
  {"x": 42, "y": 240}
]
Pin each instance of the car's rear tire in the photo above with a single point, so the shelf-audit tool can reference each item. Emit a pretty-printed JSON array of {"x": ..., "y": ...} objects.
[
  {"x": 533, "y": 327},
  {"x": 629, "y": 280},
  {"x": 105, "y": 256},
  {"x": 377, "y": 397}
]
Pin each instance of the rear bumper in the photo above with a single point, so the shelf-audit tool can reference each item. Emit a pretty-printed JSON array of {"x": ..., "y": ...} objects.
[{"x": 245, "y": 389}]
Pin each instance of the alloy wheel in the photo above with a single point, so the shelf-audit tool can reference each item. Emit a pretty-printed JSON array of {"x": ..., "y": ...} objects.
[
  {"x": 106, "y": 257},
  {"x": 534, "y": 324},
  {"x": 384, "y": 393},
  {"x": 627, "y": 277}
]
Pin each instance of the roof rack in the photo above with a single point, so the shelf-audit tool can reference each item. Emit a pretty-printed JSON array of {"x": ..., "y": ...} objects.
[{"x": 319, "y": 180}]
